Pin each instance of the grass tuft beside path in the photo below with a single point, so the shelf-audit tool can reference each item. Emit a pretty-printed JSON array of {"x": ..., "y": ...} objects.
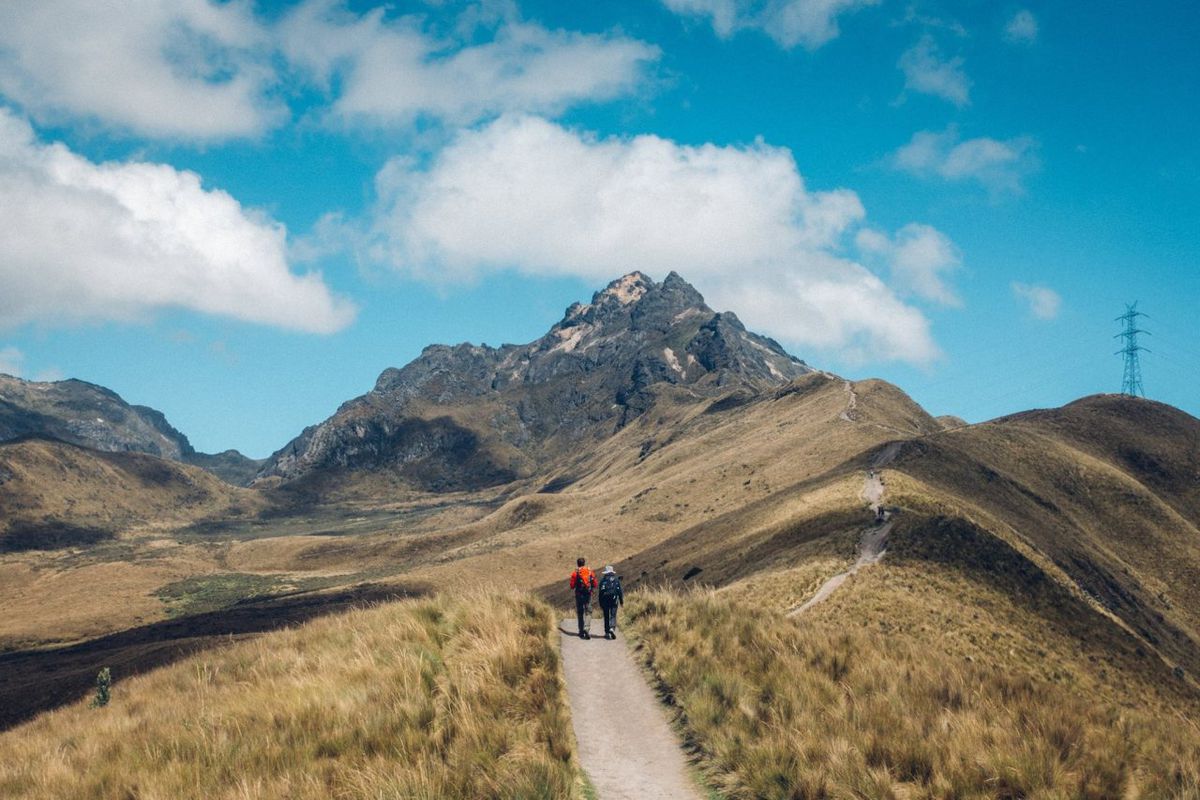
[
  {"x": 420, "y": 699},
  {"x": 783, "y": 709}
]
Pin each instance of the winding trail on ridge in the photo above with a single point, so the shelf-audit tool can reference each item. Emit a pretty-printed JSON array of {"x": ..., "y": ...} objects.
[
  {"x": 873, "y": 543},
  {"x": 626, "y": 744}
]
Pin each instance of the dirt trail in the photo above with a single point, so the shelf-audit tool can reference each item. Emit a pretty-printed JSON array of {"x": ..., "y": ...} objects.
[
  {"x": 626, "y": 744},
  {"x": 851, "y": 402},
  {"x": 873, "y": 542}
]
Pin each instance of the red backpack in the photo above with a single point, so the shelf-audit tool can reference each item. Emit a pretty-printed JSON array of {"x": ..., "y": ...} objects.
[{"x": 583, "y": 580}]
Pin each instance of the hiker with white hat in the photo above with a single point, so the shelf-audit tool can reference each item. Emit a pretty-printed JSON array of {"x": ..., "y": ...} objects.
[{"x": 611, "y": 596}]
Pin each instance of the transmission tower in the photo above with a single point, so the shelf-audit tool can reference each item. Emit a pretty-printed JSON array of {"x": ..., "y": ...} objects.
[{"x": 1131, "y": 384}]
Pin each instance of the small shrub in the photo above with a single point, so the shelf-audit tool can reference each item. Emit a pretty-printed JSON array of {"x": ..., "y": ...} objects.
[{"x": 103, "y": 687}]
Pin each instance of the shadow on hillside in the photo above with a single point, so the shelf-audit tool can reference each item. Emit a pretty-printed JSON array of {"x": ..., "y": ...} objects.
[{"x": 34, "y": 681}]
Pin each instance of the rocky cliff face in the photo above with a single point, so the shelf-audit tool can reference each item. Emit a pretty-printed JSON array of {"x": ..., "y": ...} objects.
[
  {"x": 89, "y": 415},
  {"x": 468, "y": 416}
]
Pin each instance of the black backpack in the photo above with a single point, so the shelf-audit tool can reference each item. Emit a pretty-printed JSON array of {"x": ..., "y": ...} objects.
[{"x": 610, "y": 587}]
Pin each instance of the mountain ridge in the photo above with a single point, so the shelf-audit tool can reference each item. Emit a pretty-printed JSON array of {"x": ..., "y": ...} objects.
[
  {"x": 90, "y": 415},
  {"x": 466, "y": 416}
]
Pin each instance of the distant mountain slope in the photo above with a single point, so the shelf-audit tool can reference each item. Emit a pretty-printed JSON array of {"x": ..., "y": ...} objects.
[
  {"x": 92, "y": 416},
  {"x": 57, "y": 494},
  {"x": 469, "y": 416}
]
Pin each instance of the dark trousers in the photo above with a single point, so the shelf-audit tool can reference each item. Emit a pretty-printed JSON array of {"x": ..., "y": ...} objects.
[
  {"x": 583, "y": 610},
  {"x": 610, "y": 618}
]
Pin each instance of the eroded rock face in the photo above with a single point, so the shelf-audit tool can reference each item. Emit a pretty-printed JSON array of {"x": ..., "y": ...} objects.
[
  {"x": 92, "y": 416},
  {"x": 85, "y": 414},
  {"x": 493, "y": 414}
]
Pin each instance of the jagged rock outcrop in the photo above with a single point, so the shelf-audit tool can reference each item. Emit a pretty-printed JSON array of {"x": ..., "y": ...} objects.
[
  {"x": 466, "y": 416},
  {"x": 92, "y": 416}
]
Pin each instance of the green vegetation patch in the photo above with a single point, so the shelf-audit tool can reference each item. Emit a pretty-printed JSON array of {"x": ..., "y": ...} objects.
[{"x": 203, "y": 593}]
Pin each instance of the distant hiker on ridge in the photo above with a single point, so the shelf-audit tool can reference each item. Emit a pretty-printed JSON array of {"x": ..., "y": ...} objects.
[
  {"x": 583, "y": 581},
  {"x": 611, "y": 595}
]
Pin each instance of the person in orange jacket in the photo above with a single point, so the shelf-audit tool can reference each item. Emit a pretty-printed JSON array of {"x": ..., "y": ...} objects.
[{"x": 583, "y": 581}]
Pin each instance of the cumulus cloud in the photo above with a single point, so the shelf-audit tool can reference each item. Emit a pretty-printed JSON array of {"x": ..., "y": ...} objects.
[
  {"x": 1022, "y": 28},
  {"x": 392, "y": 70},
  {"x": 526, "y": 194},
  {"x": 999, "y": 165},
  {"x": 11, "y": 359},
  {"x": 1042, "y": 301},
  {"x": 87, "y": 241},
  {"x": 203, "y": 70},
  {"x": 809, "y": 23},
  {"x": 920, "y": 256},
  {"x": 927, "y": 72},
  {"x": 189, "y": 69}
]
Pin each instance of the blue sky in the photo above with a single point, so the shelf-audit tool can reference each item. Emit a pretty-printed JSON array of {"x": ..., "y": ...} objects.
[{"x": 240, "y": 213}]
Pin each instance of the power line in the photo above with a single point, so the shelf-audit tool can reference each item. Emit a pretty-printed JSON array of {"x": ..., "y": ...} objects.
[{"x": 1131, "y": 383}]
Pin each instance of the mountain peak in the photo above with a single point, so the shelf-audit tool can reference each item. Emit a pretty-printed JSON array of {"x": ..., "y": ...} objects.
[
  {"x": 635, "y": 302},
  {"x": 625, "y": 290},
  {"x": 467, "y": 416}
]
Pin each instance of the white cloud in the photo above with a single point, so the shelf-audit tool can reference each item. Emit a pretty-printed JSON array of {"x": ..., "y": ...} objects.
[
  {"x": 188, "y": 69},
  {"x": 203, "y": 70},
  {"x": 1043, "y": 302},
  {"x": 919, "y": 257},
  {"x": 525, "y": 194},
  {"x": 392, "y": 71},
  {"x": 11, "y": 360},
  {"x": 92, "y": 241},
  {"x": 999, "y": 165},
  {"x": 810, "y": 23},
  {"x": 1022, "y": 28},
  {"x": 927, "y": 72},
  {"x": 914, "y": 15}
]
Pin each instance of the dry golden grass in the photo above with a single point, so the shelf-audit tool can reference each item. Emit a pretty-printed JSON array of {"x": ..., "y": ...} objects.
[
  {"x": 783, "y": 708},
  {"x": 32, "y": 597},
  {"x": 699, "y": 465},
  {"x": 435, "y": 698},
  {"x": 47, "y": 479}
]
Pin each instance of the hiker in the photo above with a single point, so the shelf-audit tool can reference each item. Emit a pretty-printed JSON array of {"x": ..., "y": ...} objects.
[
  {"x": 611, "y": 596},
  {"x": 583, "y": 581}
]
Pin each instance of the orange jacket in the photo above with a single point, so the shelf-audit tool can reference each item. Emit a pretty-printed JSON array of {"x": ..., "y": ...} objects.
[{"x": 583, "y": 580}]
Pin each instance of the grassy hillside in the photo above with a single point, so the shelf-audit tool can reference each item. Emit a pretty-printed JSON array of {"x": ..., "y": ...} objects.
[
  {"x": 88, "y": 537},
  {"x": 828, "y": 707},
  {"x": 1061, "y": 543},
  {"x": 54, "y": 494},
  {"x": 1105, "y": 493},
  {"x": 418, "y": 699}
]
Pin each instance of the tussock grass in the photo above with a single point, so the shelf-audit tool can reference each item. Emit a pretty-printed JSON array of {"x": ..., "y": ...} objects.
[
  {"x": 782, "y": 709},
  {"x": 434, "y": 698}
]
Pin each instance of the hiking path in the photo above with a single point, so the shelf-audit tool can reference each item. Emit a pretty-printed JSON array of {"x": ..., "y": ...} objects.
[
  {"x": 872, "y": 544},
  {"x": 626, "y": 743}
]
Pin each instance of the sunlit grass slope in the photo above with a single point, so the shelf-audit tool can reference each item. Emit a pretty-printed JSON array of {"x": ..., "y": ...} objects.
[
  {"x": 794, "y": 708},
  {"x": 434, "y": 698}
]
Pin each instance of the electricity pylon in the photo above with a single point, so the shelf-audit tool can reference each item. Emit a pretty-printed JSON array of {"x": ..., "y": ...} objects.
[{"x": 1131, "y": 384}]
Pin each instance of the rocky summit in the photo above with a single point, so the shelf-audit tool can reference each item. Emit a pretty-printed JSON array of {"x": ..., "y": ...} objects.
[{"x": 466, "y": 416}]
